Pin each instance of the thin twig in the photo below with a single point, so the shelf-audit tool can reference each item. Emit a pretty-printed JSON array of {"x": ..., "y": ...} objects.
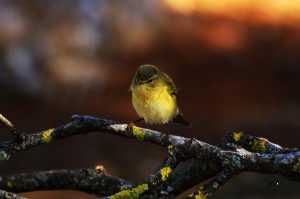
[
  {"x": 17, "y": 136},
  {"x": 7, "y": 124}
]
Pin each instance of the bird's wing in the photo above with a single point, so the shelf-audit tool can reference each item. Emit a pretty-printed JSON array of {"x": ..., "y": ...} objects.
[{"x": 172, "y": 89}]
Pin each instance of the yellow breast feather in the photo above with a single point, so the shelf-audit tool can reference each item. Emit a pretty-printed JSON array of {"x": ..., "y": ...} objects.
[{"x": 154, "y": 104}]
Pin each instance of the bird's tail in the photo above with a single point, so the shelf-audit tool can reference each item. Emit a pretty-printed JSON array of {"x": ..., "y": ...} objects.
[{"x": 180, "y": 119}]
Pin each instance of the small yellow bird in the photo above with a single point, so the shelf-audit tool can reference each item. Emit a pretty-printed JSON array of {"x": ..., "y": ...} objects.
[{"x": 154, "y": 96}]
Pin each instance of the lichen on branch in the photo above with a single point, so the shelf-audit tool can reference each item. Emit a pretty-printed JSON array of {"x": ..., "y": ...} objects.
[{"x": 236, "y": 153}]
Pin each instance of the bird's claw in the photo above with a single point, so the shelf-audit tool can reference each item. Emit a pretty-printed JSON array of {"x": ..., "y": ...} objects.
[{"x": 131, "y": 125}]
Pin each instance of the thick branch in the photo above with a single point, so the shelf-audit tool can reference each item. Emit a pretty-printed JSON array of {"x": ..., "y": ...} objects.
[
  {"x": 87, "y": 180},
  {"x": 9, "y": 195},
  {"x": 183, "y": 179},
  {"x": 236, "y": 151}
]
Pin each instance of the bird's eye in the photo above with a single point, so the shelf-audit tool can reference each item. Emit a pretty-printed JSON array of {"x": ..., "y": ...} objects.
[{"x": 150, "y": 80}]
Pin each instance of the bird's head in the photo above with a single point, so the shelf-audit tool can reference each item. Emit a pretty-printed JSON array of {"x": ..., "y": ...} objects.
[{"x": 146, "y": 74}]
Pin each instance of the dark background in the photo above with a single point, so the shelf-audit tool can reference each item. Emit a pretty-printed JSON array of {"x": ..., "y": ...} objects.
[{"x": 236, "y": 63}]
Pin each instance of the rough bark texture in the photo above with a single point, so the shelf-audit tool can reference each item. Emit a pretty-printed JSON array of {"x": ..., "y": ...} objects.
[{"x": 235, "y": 153}]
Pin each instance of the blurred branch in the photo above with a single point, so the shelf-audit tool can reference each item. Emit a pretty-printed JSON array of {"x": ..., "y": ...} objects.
[
  {"x": 88, "y": 180},
  {"x": 9, "y": 195},
  {"x": 236, "y": 153}
]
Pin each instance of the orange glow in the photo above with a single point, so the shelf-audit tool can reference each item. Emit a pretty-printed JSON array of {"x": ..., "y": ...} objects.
[
  {"x": 224, "y": 36},
  {"x": 100, "y": 168},
  {"x": 266, "y": 10}
]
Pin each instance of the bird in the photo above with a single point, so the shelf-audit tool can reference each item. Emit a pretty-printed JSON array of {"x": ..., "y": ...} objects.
[{"x": 154, "y": 97}]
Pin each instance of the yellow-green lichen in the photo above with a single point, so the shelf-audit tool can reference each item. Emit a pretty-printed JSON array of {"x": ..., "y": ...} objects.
[
  {"x": 259, "y": 145},
  {"x": 165, "y": 171},
  {"x": 198, "y": 195},
  {"x": 46, "y": 136},
  {"x": 170, "y": 149},
  {"x": 201, "y": 195},
  {"x": 296, "y": 167},
  {"x": 9, "y": 183},
  {"x": 237, "y": 136},
  {"x": 132, "y": 193},
  {"x": 138, "y": 133}
]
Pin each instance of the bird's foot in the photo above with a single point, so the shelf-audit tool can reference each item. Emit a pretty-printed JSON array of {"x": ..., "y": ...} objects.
[{"x": 131, "y": 125}]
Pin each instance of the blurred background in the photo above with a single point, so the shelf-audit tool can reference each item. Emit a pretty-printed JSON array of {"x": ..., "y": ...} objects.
[{"x": 236, "y": 63}]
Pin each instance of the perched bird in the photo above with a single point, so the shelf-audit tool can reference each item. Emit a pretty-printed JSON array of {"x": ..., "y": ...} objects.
[{"x": 154, "y": 96}]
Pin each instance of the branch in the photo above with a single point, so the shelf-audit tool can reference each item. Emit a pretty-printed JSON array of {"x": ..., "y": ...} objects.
[
  {"x": 215, "y": 184},
  {"x": 236, "y": 153},
  {"x": 10, "y": 127},
  {"x": 88, "y": 180},
  {"x": 9, "y": 195},
  {"x": 183, "y": 179},
  {"x": 252, "y": 143}
]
